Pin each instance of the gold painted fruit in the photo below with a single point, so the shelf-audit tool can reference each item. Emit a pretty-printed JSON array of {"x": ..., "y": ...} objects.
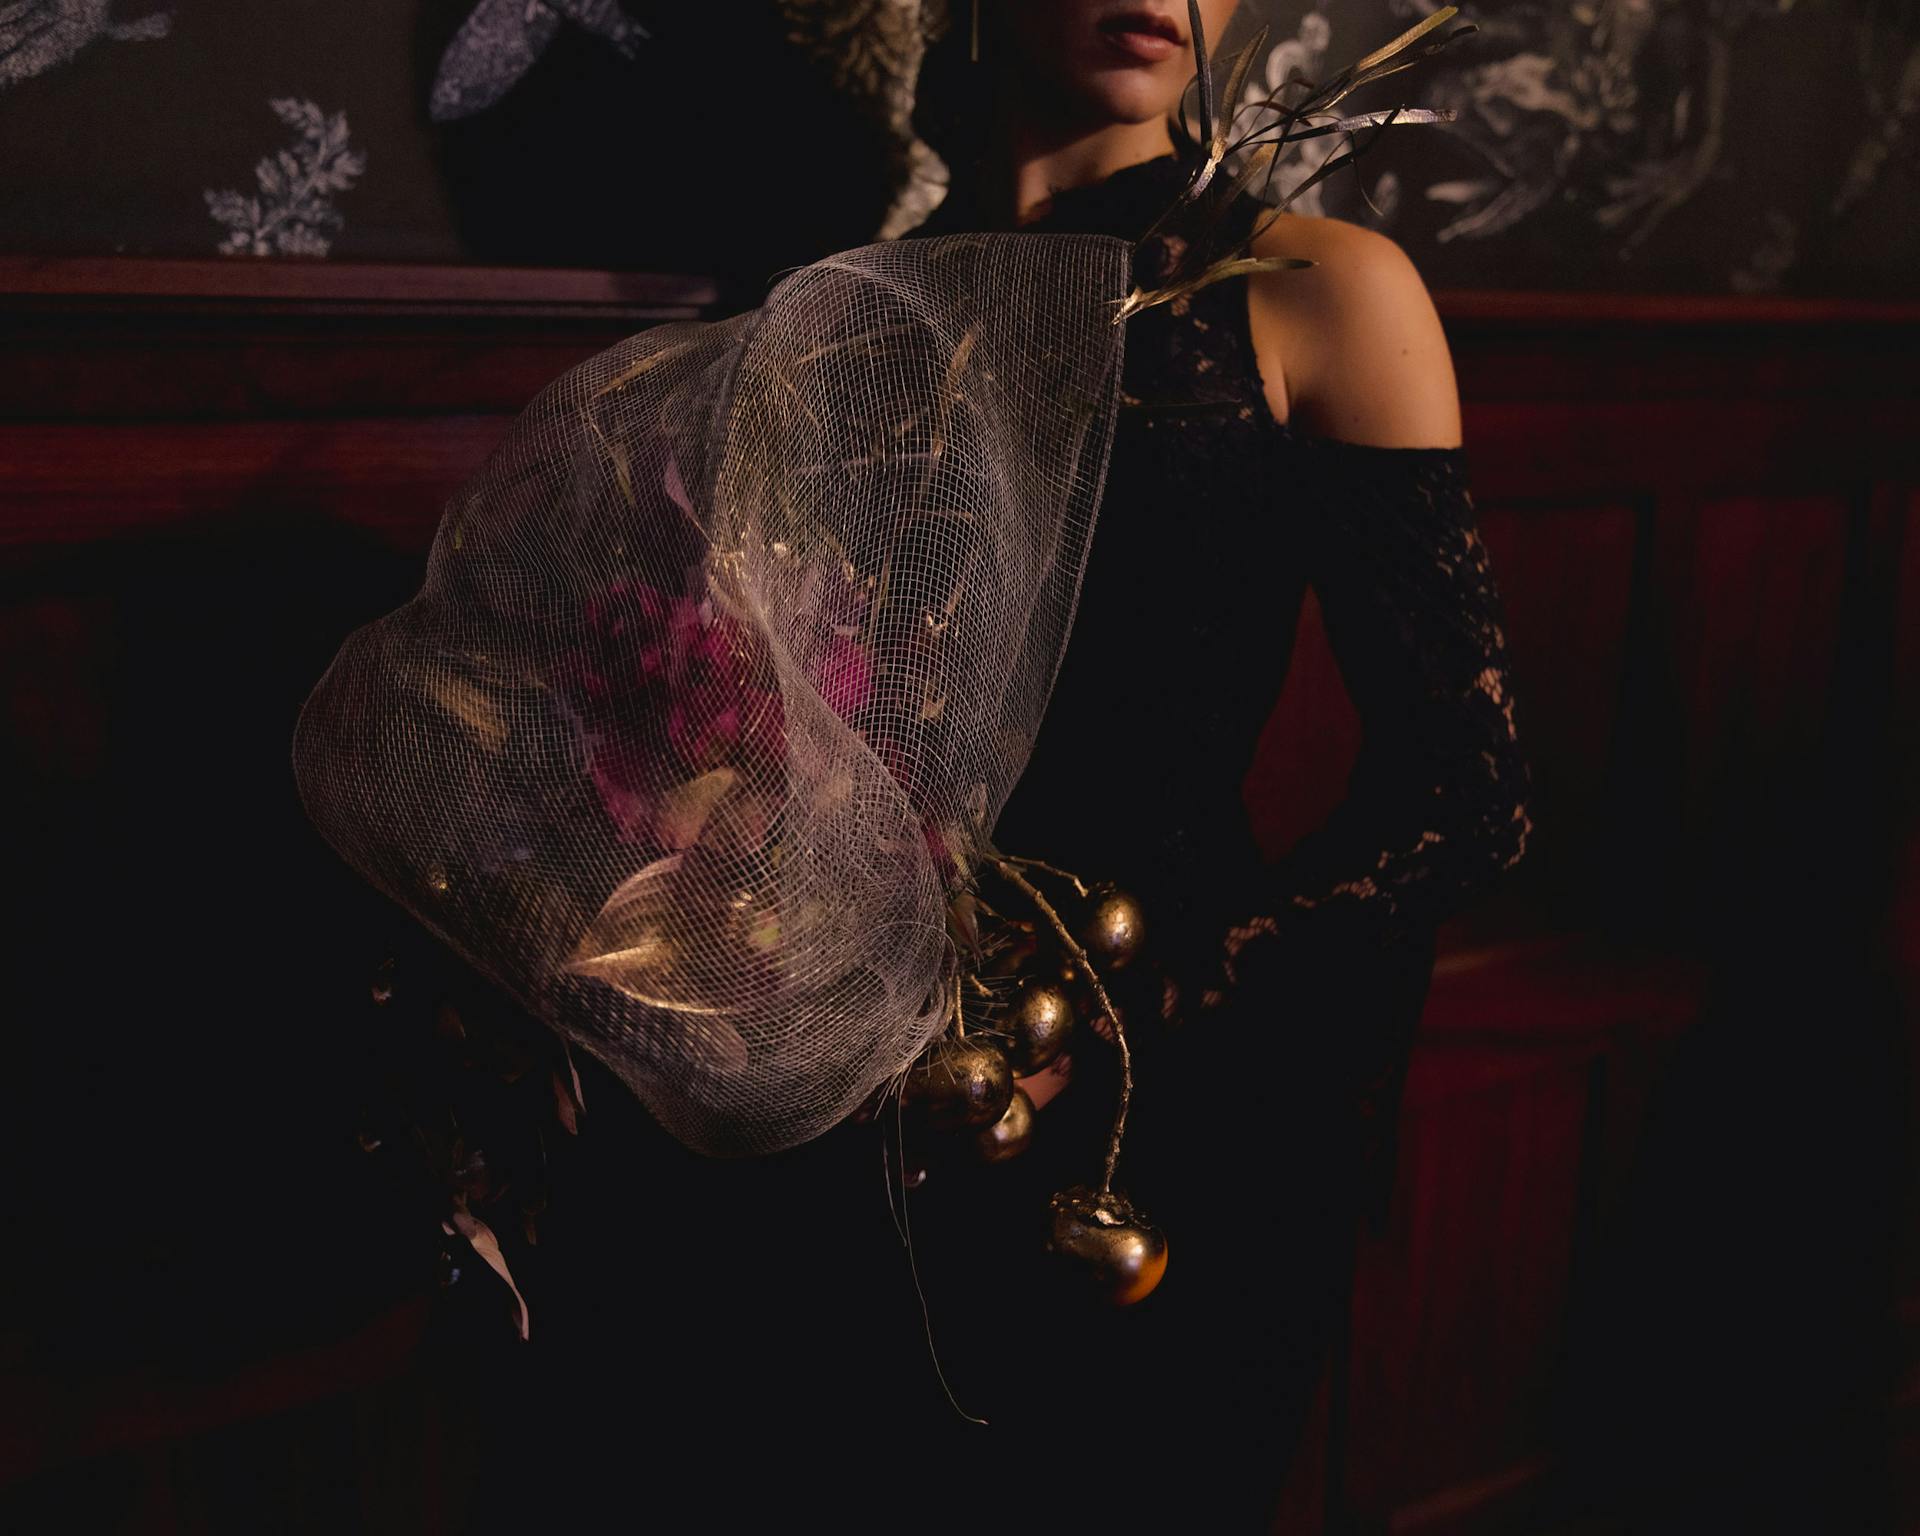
[
  {"x": 1038, "y": 1023},
  {"x": 1121, "y": 1254},
  {"x": 962, "y": 1084},
  {"x": 1011, "y": 1134},
  {"x": 1113, "y": 928}
]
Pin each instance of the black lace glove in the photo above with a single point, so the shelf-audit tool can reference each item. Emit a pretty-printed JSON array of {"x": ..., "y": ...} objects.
[{"x": 1436, "y": 808}]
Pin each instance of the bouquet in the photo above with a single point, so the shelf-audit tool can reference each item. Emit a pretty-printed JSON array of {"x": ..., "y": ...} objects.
[{"x": 724, "y": 665}]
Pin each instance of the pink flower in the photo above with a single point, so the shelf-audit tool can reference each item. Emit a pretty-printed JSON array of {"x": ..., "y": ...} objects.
[
  {"x": 843, "y": 675},
  {"x": 666, "y": 688}
]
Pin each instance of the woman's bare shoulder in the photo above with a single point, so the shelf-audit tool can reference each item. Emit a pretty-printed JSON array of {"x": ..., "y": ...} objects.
[{"x": 1355, "y": 337}]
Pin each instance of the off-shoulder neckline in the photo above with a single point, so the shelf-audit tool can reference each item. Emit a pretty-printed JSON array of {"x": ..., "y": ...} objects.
[{"x": 1306, "y": 438}]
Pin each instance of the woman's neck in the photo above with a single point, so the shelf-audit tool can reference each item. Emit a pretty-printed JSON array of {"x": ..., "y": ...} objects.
[{"x": 1033, "y": 161}]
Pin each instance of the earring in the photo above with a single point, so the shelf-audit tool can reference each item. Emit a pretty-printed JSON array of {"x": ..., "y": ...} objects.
[{"x": 973, "y": 35}]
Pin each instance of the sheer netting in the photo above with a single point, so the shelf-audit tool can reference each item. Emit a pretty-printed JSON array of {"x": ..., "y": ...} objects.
[{"x": 725, "y": 664}]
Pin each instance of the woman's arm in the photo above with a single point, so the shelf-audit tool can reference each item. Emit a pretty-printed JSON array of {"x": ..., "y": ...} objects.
[
  {"x": 1377, "y": 478},
  {"x": 1436, "y": 808}
]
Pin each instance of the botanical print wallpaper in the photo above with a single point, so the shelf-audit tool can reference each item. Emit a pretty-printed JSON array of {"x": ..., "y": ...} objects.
[
  {"x": 291, "y": 212},
  {"x": 1732, "y": 145},
  {"x": 630, "y": 134},
  {"x": 1744, "y": 146}
]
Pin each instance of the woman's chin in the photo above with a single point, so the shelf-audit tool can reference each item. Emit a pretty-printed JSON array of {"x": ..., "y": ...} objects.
[{"x": 1127, "y": 95}]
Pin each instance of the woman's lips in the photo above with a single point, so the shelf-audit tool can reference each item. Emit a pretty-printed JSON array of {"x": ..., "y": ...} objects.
[{"x": 1140, "y": 38}]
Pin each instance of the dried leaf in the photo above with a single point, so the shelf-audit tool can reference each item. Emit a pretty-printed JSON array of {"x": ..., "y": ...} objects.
[
  {"x": 568, "y": 1101},
  {"x": 1413, "y": 34},
  {"x": 1196, "y": 29},
  {"x": 573, "y": 1072},
  {"x": 480, "y": 1237},
  {"x": 684, "y": 810},
  {"x": 619, "y": 460},
  {"x": 644, "y": 365},
  {"x": 629, "y": 934},
  {"x": 676, "y": 487},
  {"x": 1375, "y": 119},
  {"x": 631, "y": 946},
  {"x": 470, "y": 705},
  {"x": 1141, "y": 299},
  {"x": 950, "y": 392},
  {"x": 1236, "y": 83}
]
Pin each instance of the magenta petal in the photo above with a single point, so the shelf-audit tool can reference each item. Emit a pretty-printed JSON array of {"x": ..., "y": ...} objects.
[
  {"x": 629, "y": 809},
  {"x": 843, "y": 676}
]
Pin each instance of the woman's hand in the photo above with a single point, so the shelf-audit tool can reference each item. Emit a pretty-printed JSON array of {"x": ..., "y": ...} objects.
[{"x": 1044, "y": 1086}]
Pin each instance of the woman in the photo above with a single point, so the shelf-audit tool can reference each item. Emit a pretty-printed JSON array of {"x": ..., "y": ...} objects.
[
  {"x": 1292, "y": 428},
  {"x": 750, "y": 1341}
]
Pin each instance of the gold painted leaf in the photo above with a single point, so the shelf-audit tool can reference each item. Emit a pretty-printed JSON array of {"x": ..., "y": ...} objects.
[
  {"x": 471, "y": 705},
  {"x": 658, "y": 942},
  {"x": 684, "y": 810}
]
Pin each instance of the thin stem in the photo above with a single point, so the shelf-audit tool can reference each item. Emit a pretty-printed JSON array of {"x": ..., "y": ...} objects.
[
  {"x": 1009, "y": 870},
  {"x": 1049, "y": 869}
]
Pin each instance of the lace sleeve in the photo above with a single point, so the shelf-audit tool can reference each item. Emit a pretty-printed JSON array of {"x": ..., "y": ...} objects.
[{"x": 1436, "y": 807}]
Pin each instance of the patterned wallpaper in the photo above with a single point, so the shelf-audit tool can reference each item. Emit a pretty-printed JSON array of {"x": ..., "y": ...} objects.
[
  {"x": 638, "y": 134},
  {"x": 1680, "y": 145},
  {"x": 1718, "y": 145}
]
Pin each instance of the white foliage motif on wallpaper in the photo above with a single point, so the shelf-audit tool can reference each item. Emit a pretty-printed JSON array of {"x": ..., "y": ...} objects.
[
  {"x": 1887, "y": 47},
  {"x": 1617, "y": 108},
  {"x": 502, "y": 39},
  {"x": 35, "y": 35},
  {"x": 1616, "y": 113},
  {"x": 292, "y": 214},
  {"x": 1303, "y": 55},
  {"x": 1770, "y": 260}
]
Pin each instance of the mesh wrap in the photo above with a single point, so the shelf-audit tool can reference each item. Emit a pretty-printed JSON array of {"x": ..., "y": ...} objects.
[{"x": 725, "y": 664}]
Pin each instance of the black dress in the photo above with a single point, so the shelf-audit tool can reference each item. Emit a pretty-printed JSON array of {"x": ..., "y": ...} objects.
[{"x": 761, "y": 1321}]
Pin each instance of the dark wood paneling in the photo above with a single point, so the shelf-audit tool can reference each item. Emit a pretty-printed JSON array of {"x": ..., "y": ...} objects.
[
  {"x": 80, "y": 484},
  {"x": 90, "y": 339},
  {"x": 1458, "y": 1307},
  {"x": 1748, "y": 591},
  {"x": 306, "y": 288},
  {"x": 94, "y": 368},
  {"x": 1585, "y": 449}
]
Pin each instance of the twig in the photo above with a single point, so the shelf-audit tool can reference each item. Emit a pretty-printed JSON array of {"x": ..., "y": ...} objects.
[
  {"x": 1010, "y": 872},
  {"x": 1047, "y": 869}
]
